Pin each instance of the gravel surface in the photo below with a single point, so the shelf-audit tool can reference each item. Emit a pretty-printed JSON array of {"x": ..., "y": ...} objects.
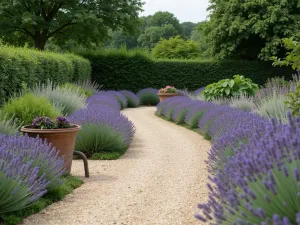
[{"x": 159, "y": 181}]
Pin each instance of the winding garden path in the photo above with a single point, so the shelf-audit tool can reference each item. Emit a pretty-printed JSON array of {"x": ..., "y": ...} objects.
[{"x": 159, "y": 181}]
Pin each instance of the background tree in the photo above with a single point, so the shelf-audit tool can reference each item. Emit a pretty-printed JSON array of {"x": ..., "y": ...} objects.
[
  {"x": 159, "y": 25},
  {"x": 119, "y": 38},
  {"x": 251, "y": 29},
  {"x": 80, "y": 20},
  {"x": 188, "y": 28},
  {"x": 176, "y": 48}
]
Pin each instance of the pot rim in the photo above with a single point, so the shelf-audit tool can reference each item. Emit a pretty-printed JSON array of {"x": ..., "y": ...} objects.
[
  {"x": 167, "y": 93},
  {"x": 27, "y": 129}
]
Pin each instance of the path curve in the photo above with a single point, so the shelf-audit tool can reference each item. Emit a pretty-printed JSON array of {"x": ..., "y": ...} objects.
[{"x": 159, "y": 181}]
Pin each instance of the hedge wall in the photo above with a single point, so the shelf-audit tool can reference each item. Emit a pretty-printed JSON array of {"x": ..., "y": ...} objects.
[
  {"x": 19, "y": 65},
  {"x": 137, "y": 71}
]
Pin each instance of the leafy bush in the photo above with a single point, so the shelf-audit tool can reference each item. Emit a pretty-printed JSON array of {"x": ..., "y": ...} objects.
[
  {"x": 28, "y": 168},
  {"x": 28, "y": 107},
  {"x": 148, "y": 96},
  {"x": 293, "y": 102},
  {"x": 230, "y": 87},
  {"x": 8, "y": 126},
  {"x": 67, "y": 99},
  {"x": 141, "y": 71},
  {"x": 176, "y": 48},
  {"x": 19, "y": 65},
  {"x": 132, "y": 99}
]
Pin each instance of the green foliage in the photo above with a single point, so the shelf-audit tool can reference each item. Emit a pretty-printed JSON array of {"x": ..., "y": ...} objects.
[
  {"x": 187, "y": 28},
  {"x": 76, "y": 88},
  {"x": 273, "y": 106},
  {"x": 70, "y": 183},
  {"x": 135, "y": 70},
  {"x": 226, "y": 88},
  {"x": 292, "y": 57},
  {"x": 95, "y": 138},
  {"x": 176, "y": 48},
  {"x": 242, "y": 102},
  {"x": 85, "y": 22},
  {"x": 18, "y": 65},
  {"x": 251, "y": 29},
  {"x": 293, "y": 102},
  {"x": 67, "y": 99},
  {"x": 8, "y": 125},
  {"x": 28, "y": 107}
]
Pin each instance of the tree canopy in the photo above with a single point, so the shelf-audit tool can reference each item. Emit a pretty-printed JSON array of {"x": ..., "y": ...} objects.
[
  {"x": 251, "y": 29},
  {"x": 80, "y": 20}
]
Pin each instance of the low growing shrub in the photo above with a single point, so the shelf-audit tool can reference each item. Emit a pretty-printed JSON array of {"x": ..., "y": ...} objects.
[
  {"x": 148, "y": 96},
  {"x": 28, "y": 107},
  {"x": 132, "y": 99},
  {"x": 230, "y": 87},
  {"x": 293, "y": 101},
  {"x": 8, "y": 126}
]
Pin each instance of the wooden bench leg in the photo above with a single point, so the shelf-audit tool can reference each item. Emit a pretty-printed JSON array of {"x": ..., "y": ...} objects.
[{"x": 85, "y": 162}]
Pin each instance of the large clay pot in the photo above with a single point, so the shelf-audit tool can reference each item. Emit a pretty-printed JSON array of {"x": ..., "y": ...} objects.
[
  {"x": 62, "y": 139},
  {"x": 163, "y": 96}
]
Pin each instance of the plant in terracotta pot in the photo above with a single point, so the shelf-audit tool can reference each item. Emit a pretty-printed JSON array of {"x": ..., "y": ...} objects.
[
  {"x": 60, "y": 133},
  {"x": 167, "y": 92}
]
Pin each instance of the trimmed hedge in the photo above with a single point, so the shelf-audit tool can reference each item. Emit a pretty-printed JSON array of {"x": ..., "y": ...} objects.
[
  {"x": 135, "y": 71},
  {"x": 19, "y": 65}
]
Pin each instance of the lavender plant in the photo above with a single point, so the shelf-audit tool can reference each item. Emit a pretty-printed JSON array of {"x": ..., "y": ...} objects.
[
  {"x": 132, "y": 99},
  {"x": 260, "y": 184},
  {"x": 28, "y": 168},
  {"x": 105, "y": 99},
  {"x": 120, "y": 98},
  {"x": 148, "y": 96},
  {"x": 8, "y": 126},
  {"x": 103, "y": 130},
  {"x": 181, "y": 110}
]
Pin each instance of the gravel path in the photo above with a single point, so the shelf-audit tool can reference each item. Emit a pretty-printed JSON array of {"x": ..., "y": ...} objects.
[{"x": 159, "y": 181}]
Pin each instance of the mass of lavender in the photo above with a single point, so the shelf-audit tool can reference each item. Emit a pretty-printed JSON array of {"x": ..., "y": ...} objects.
[
  {"x": 28, "y": 168},
  {"x": 254, "y": 164},
  {"x": 148, "y": 96},
  {"x": 132, "y": 99}
]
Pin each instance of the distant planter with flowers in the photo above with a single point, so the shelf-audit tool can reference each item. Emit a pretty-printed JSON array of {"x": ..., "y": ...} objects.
[
  {"x": 167, "y": 92},
  {"x": 60, "y": 133}
]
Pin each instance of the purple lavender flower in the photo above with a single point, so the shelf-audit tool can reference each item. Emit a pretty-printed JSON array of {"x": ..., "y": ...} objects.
[
  {"x": 260, "y": 184},
  {"x": 148, "y": 96},
  {"x": 132, "y": 99},
  {"x": 120, "y": 98},
  {"x": 103, "y": 98},
  {"x": 28, "y": 167}
]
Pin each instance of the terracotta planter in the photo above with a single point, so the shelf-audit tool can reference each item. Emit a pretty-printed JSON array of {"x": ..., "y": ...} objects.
[
  {"x": 62, "y": 139},
  {"x": 163, "y": 96}
]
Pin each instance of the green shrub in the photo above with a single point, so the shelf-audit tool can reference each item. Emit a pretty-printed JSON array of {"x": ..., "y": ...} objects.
[
  {"x": 28, "y": 107},
  {"x": 176, "y": 48},
  {"x": 99, "y": 139},
  {"x": 19, "y": 65},
  {"x": 67, "y": 99},
  {"x": 227, "y": 88},
  {"x": 293, "y": 102},
  {"x": 135, "y": 70},
  {"x": 148, "y": 96}
]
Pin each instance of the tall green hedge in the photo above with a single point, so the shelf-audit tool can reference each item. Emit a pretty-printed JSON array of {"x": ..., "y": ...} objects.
[
  {"x": 136, "y": 71},
  {"x": 19, "y": 65}
]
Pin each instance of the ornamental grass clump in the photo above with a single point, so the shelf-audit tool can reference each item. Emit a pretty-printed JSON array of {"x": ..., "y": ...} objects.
[
  {"x": 66, "y": 99},
  {"x": 148, "y": 96},
  {"x": 28, "y": 168},
  {"x": 242, "y": 102},
  {"x": 8, "y": 126},
  {"x": 260, "y": 184},
  {"x": 132, "y": 99},
  {"x": 25, "y": 108},
  {"x": 103, "y": 130}
]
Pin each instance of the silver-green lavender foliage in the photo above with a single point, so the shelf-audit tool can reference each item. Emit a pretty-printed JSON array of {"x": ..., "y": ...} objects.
[
  {"x": 66, "y": 99},
  {"x": 242, "y": 102},
  {"x": 8, "y": 126},
  {"x": 89, "y": 85}
]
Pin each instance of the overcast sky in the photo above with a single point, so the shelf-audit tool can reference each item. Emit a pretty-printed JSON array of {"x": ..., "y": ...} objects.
[{"x": 184, "y": 10}]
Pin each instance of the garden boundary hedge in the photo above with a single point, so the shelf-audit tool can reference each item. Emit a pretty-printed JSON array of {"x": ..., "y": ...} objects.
[
  {"x": 137, "y": 71},
  {"x": 18, "y": 65}
]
